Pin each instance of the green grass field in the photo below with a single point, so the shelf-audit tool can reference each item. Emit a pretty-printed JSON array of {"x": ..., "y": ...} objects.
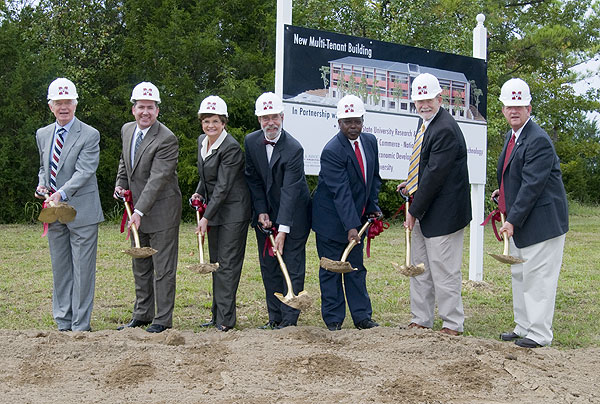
[{"x": 26, "y": 284}]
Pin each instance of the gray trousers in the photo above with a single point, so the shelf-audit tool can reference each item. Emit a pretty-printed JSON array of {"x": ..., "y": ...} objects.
[
  {"x": 227, "y": 245},
  {"x": 155, "y": 277},
  {"x": 441, "y": 281},
  {"x": 73, "y": 255}
]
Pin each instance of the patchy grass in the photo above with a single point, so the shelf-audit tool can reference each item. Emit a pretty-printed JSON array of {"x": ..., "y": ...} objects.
[{"x": 26, "y": 284}]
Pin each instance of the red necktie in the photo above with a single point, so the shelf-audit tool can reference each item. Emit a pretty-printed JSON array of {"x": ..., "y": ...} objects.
[
  {"x": 509, "y": 149},
  {"x": 360, "y": 160}
]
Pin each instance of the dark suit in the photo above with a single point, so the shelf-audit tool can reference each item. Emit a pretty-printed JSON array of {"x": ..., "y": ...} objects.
[
  {"x": 155, "y": 191},
  {"x": 536, "y": 202},
  {"x": 223, "y": 184},
  {"x": 536, "y": 205},
  {"x": 73, "y": 245},
  {"x": 339, "y": 202},
  {"x": 442, "y": 207},
  {"x": 278, "y": 188}
]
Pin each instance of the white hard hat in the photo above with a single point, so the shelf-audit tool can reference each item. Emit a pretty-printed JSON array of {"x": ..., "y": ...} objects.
[
  {"x": 350, "y": 106},
  {"x": 267, "y": 104},
  {"x": 62, "y": 89},
  {"x": 213, "y": 104},
  {"x": 145, "y": 91},
  {"x": 515, "y": 93},
  {"x": 425, "y": 87}
]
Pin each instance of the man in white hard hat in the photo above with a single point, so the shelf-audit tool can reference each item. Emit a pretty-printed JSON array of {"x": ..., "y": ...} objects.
[
  {"x": 532, "y": 196},
  {"x": 281, "y": 200},
  {"x": 347, "y": 194},
  {"x": 69, "y": 155},
  {"x": 147, "y": 168},
  {"x": 438, "y": 181}
]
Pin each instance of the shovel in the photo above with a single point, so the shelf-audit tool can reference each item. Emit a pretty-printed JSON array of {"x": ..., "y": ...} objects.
[
  {"x": 137, "y": 251},
  {"x": 505, "y": 258},
  {"x": 60, "y": 211},
  {"x": 408, "y": 269},
  {"x": 300, "y": 302},
  {"x": 202, "y": 267},
  {"x": 342, "y": 266}
]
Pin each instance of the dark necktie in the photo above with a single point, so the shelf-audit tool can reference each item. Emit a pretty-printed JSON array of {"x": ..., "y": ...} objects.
[
  {"x": 360, "y": 160},
  {"x": 56, "y": 150},
  {"x": 138, "y": 142},
  {"x": 509, "y": 149}
]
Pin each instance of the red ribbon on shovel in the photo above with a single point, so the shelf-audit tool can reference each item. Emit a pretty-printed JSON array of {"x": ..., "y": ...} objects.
[
  {"x": 128, "y": 199},
  {"x": 268, "y": 246},
  {"x": 376, "y": 228},
  {"x": 494, "y": 216}
]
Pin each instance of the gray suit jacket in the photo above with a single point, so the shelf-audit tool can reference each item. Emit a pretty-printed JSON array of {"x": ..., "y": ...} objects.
[
  {"x": 76, "y": 173},
  {"x": 223, "y": 184},
  {"x": 153, "y": 178}
]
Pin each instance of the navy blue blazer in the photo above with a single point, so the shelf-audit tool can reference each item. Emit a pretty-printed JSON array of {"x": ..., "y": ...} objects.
[
  {"x": 341, "y": 193},
  {"x": 536, "y": 201},
  {"x": 278, "y": 187},
  {"x": 442, "y": 203}
]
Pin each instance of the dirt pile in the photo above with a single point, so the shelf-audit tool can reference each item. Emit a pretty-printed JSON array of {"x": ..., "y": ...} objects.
[{"x": 293, "y": 365}]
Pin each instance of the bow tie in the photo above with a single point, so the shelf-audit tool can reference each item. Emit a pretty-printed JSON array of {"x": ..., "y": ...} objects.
[{"x": 265, "y": 141}]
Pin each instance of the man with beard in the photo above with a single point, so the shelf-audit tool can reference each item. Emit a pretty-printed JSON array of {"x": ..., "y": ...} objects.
[
  {"x": 280, "y": 198},
  {"x": 347, "y": 193}
]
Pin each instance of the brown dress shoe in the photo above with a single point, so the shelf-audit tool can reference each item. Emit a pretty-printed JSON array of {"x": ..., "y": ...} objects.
[
  {"x": 448, "y": 331},
  {"x": 415, "y": 325}
]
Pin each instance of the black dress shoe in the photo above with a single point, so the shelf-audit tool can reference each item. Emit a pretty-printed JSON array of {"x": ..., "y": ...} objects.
[
  {"x": 334, "y": 326},
  {"x": 269, "y": 326},
  {"x": 209, "y": 324},
  {"x": 284, "y": 324},
  {"x": 156, "y": 328},
  {"x": 134, "y": 323},
  {"x": 64, "y": 329},
  {"x": 222, "y": 328},
  {"x": 366, "y": 324},
  {"x": 509, "y": 336},
  {"x": 527, "y": 343}
]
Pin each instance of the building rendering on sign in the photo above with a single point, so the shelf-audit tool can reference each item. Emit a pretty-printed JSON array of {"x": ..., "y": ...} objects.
[{"x": 385, "y": 86}]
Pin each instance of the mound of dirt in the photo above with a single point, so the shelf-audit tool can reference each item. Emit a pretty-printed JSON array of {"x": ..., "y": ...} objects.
[{"x": 292, "y": 365}]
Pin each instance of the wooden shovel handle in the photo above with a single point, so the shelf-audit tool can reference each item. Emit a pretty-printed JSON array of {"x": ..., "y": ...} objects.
[
  {"x": 136, "y": 236},
  {"x": 353, "y": 242}
]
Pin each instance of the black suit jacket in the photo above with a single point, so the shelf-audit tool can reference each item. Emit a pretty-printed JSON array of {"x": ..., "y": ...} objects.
[
  {"x": 222, "y": 183},
  {"x": 278, "y": 187},
  {"x": 442, "y": 203},
  {"x": 341, "y": 193},
  {"x": 536, "y": 202}
]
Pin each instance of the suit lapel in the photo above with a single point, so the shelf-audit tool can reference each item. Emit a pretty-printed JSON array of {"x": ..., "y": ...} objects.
[
  {"x": 148, "y": 139},
  {"x": 522, "y": 138},
  {"x": 350, "y": 151},
  {"x": 70, "y": 140}
]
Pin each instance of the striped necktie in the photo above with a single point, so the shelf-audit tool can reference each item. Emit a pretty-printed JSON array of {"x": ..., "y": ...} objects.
[
  {"x": 412, "y": 183},
  {"x": 59, "y": 141}
]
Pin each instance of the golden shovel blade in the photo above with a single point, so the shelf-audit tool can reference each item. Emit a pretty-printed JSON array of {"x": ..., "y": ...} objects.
[
  {"x": 140, "y": 252},
  {"x": 48, "y": 215},
  {"x": 204, "y": 268},
  {"x": 65, "y": 213},
  {"x": 409, "y": 270},
  {"x": 507, "y": 259},
  {"x": 300, "y": 302},
  {"x": 341, "y": 267}
]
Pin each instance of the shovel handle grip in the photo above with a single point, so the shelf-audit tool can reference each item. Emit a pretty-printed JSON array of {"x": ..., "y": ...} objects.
[
  {"x": 352, "y": 243},
  {"x": 504, "y": 235},
  {"x": 136, "y": 236},
  {"x": 284, "y": 270}
]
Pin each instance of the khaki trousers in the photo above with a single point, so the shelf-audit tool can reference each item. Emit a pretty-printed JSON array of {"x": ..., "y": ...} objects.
[{"x": 441, "y": 281}]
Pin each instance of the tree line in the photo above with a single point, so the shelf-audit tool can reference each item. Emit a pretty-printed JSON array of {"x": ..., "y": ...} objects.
[{"x": 191, "y": 49}]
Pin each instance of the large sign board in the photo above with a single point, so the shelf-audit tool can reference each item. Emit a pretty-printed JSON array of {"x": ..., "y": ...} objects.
[{"x": 321, "y": 67}]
